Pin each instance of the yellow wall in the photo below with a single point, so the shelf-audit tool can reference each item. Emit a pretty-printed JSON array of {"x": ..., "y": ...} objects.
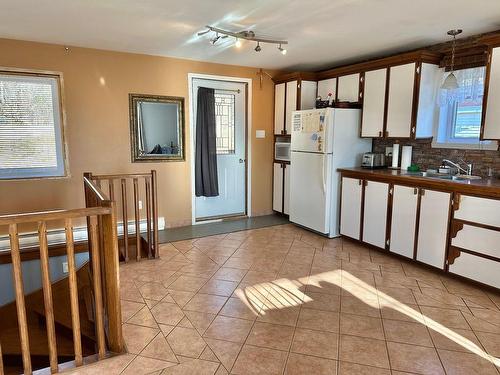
[{"x": 97, "y": 129}]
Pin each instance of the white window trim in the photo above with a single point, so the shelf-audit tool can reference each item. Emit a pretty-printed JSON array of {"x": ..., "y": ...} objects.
[{"x": 30, "y": 173}]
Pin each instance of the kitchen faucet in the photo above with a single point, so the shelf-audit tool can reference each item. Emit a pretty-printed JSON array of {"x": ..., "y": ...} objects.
[{"x": 467, "y": 171}]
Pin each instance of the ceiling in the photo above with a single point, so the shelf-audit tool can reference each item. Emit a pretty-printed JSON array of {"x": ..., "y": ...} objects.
[{"x": 321, "y": 33}]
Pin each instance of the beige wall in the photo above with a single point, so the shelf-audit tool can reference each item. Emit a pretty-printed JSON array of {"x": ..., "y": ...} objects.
[{"x": 97, "y": 129}]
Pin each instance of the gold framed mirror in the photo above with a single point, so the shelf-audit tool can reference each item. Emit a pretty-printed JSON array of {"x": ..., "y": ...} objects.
[{"x": 157, "y": 128}]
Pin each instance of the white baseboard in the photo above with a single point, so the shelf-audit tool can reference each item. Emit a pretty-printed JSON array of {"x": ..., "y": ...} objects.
[{"x": 57, "y": 236}]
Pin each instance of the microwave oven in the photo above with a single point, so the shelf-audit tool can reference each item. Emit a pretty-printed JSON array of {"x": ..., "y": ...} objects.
[{"x": 282, "y": 151}]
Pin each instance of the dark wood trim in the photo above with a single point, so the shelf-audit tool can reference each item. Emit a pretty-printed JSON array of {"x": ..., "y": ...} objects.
[
  {"x": 448, "y": 228},
  {"x": 33, "y": 253},
  {"x": 361, "y": 101},
  {"x": 485, "y": 188},
  {"x": 388, "y": 217},
  {"x": 478, "y": 225},
  {"x": 336, "y": 89},
  {"x": 298, "y": 104},
  {"x": 475, "y": 253},
  {"x": 283, "y": 167},
  {"x": 284, "y": 109},
  {"x": 386, "y": 102},
  {"x": 416, "y": 97},
  {"x": 295, "y": 76},
  {"x": 362, "y": 213},
  {"x": 417, "y": 223},
  {"x": 485, "y": 95},
  {"x": 455, "y": 227}
]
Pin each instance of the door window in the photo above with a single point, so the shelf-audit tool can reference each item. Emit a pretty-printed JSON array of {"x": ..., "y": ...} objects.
[{"x": 224, "y": 117}]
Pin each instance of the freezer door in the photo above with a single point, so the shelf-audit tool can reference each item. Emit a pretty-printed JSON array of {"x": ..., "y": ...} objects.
[
  {"x": 311, "y": 130},
  {"x": 310, "y": 190}
]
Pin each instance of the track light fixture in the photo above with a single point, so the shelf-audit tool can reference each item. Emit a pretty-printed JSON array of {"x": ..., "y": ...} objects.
[{"x": 243, "y": 35}]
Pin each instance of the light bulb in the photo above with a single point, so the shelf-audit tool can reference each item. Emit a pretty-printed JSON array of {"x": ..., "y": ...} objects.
[
  {"x": 283, "y": 51},
  {"x": 238, "y": 43}
]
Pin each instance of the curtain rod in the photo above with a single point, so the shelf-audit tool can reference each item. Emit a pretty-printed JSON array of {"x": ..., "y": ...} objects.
[{"x": 229, "y": 90}]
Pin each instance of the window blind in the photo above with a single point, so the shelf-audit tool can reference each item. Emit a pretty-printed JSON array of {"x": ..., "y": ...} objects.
[{"x": 30, "y": 127}]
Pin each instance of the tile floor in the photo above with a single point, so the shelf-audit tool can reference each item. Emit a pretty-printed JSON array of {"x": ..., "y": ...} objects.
[{"x": 281, "y": 300}]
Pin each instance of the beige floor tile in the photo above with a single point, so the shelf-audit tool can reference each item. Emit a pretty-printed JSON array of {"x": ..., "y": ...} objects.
[
  {"x": 259, "y": 361},
  {"x": 143, "y": 365},
  {"x": 481, "y": 325},
  {"x": 130, "y": 308},
  {"x": 406, "y": 312},
  {"x": 491, "y": 342},
  {"x": 445, "y": 340},
  {"x": 236, "y": 308},
  {"x": 206, "y": 303},
  {"x": 209, "y": 355},
  {"x": 230, "y": 274},
  {"x": 407, "y": 332},
  {"x": 167, "y": 313},
  {"x": 192, "y": 367},
  {"x": 271, "y": 336},
  {"x": 187, "y": 283},
  {"x": 300, "y": 364},
  {"x": 447, "y": 317},
  {"x": 401, "y": 295},
  {"x": 225, "y": 351},
  {"x": 200, "y": 321},
  {"x": 456, "y": 363},
  {"x": 229, "y": 329},
  {"x": 363, "y": 351},
  {"x": 347, "y": 368},
  {"x": 364, "y": 326},
  {"x": 287, "y": 316},
  {"x": 414, "y": 358},
  {"x": 319, "y": 320},
  {"x": 159, "y": 349},
  {"x": 154, "y": 291},
  {"x": 186, "y": 342},
  {"x": 315, "y": 343},
  {"x": 144, "y": 318},
  {"x": 137, "y": 337},
  {"x": 180, "y": 297},
  {"x": 219, "y": 287},
  {"x": 354, "y": 305},
  {"x": 321, "y": 301}
]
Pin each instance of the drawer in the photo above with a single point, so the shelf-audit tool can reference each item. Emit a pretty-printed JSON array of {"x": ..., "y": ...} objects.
[
  {"x": 479, "y": 210},
  {"x": 480, "y": 240},
  {"x": 477, "y": 268}
]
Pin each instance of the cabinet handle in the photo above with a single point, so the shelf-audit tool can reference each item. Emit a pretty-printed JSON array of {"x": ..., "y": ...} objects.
[
  {"x": 422, "y": 192},
  {"x": 366, "y": 183},
  {"x": 415, "y": 191},
  {"x": 380, "y": 134},
  {"x": 387, "y": 133},
  {"x": 390, "y": 191},
  {"x": 360, "y": 182},
  {"x": 360, "y": 95},
  {"x": 413, "y": 130}
]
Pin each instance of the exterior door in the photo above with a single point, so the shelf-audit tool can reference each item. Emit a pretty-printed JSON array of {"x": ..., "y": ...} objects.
[{"x": 230, "y": 111}]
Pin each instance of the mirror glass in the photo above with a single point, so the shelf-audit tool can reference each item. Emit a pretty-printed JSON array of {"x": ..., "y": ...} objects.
[{"x": 157, "y": 128}]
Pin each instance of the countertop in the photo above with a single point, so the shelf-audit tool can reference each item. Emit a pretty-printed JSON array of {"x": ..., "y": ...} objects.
[{"x": 488, "y": 187}]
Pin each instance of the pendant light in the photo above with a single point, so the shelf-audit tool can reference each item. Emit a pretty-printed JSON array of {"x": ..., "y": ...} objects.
[{"x": 451, "y": 82}]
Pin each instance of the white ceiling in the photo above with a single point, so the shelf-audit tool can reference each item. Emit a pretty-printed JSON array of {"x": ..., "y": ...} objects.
[{"x": 321, "y": 33}]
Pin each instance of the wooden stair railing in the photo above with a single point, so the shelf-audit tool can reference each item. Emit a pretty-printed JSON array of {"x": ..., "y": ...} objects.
[
  {"x": 103, "y": 252},
  {"x": 151, "y": 199}
]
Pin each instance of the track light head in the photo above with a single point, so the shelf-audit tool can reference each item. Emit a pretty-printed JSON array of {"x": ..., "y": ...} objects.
[
  {"x": 238, "y": 43},
  {"x": 215, "y": 38},
  {"x": 282, "y": 50},
  {"x": 258, "y": 48}
]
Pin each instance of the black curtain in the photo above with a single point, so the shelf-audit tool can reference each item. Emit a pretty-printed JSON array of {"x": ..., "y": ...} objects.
[{"x": 206, "y": 181}]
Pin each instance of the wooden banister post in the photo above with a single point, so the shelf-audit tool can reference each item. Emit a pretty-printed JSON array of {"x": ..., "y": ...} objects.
[{"x": 112, "y": 279}]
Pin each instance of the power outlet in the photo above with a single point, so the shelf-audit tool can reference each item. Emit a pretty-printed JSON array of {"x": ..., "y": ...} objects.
[
  {"x": 65, "y": 267},
  {"x": 140, "y": 205}
]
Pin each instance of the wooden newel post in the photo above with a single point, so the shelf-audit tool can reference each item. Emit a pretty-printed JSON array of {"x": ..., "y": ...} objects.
[{"x": 112, "y": 279}]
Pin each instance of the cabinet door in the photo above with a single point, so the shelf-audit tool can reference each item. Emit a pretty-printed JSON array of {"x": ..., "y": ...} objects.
[
  {"x": 433, "y": 227},
  {"x": 375, "y": 213},
  {"x": 290, "y": 104},
  {"x": 404, "y": 219},
  {"x": 348, "y": 88},
  {"x": 279, "y": 108},
  {"x": 491, "y": 126},
  {"x": 278, "y": 187},
  {"x": 307, "y": 95},
  {"x": 326, "y": 87},
  {"x": 400, "y": 101},
  {"x": 286, "y": 189},
  {"x": 477, "y": 268},
  {"x": 372, "y": 123},
  {"x": 350, "y": 210}
]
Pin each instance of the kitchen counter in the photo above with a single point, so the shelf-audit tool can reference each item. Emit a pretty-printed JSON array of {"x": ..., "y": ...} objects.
[{"x": 486, "y": 187}]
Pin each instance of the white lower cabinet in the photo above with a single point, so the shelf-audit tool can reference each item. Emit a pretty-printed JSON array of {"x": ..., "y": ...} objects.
[
  {"x": 477, "y": 268},
  {"x": 433, "y": 227},
  {"x": 404, "y": 219},
  {"x": 350, "y": 209},
  {"x": 375, "y": 213},
  {"x": 286, "y": 189},
  {"x": 278, "y": 187}
]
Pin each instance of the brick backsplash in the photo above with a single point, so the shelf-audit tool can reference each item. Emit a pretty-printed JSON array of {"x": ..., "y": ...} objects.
[{"x": 427, "y": 157}]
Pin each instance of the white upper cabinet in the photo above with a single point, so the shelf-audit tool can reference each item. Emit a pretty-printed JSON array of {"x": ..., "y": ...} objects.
[
  {"x": 433, "y": 227},
  {"x": 372, "y": 123},
  {"x": 290, "y": 103},
  {"x": 279, "y": 108},
  {"x": 428, "y": 109},
  {"x": 348, "y": 90},
  {"x": 326, "y": 87},
  {"x": 307, "y": 95},
  {"x": 491, "y": 127},
  {"x": 400, "y": 101}
]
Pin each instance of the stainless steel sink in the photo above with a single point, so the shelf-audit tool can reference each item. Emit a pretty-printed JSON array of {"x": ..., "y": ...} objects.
[{"x": 441, "y": 176}]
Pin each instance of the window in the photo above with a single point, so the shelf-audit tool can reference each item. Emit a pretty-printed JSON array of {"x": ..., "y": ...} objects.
[
  {"x": 31, "y": 140},
  {"x": 224, "y": 117},
  {"x": 460, "y": 112}
]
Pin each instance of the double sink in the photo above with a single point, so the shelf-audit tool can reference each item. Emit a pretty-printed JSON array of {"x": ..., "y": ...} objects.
[{"x": 443, "y": 176}]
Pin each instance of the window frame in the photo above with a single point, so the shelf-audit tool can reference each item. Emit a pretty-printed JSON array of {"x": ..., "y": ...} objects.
[
  {"x": 60, "y": 131},
  {"x": 445, "y": 124}
]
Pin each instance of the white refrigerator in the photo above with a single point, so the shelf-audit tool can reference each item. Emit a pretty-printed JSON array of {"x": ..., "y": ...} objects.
[{"x": 322, "y": 141}]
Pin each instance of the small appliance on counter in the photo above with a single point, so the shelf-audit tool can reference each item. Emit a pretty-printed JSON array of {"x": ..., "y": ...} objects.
[{"x": 373, "y": 160}]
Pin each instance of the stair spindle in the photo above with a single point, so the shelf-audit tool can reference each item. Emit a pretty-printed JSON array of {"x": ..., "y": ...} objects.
[
  {"x": 148, "y": 213},
  {"x": 137, "y": 223},
  {"x": 125, "y": 217}
]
